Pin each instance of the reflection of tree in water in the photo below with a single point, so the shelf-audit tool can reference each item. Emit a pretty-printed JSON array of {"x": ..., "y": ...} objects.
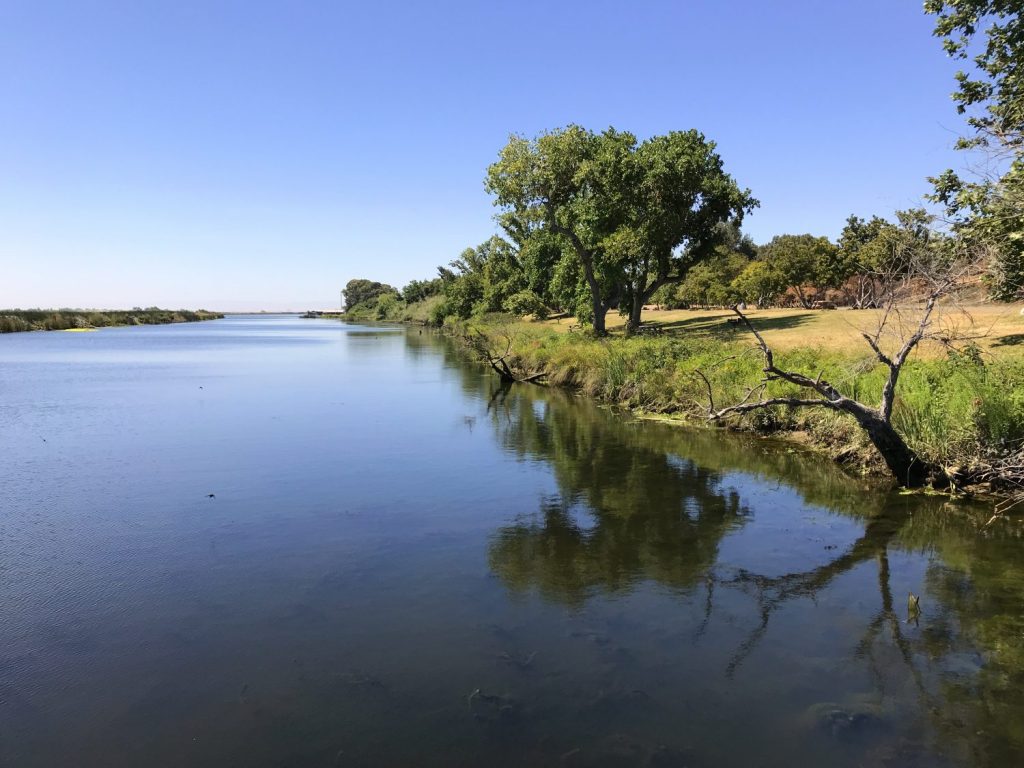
[
  {"x": 625, "y": 511},
  {"x": 973, "y": 630},
  {"x": 963, "y": 653},
  {"x": 632, "y": 506}
]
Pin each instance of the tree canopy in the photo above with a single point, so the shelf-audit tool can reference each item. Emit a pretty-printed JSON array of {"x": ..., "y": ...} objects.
[
  {"x": 988, "y": 212},
  {"x": 636, "y": 215},
  {"x": 361, "y": 291}
]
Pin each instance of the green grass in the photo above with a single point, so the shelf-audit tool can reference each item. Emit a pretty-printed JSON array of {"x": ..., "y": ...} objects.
[{"x": 957, "y": 409}]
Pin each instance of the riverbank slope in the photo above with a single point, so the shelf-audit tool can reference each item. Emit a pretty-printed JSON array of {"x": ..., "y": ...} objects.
[{"x": 960, "y": 409}]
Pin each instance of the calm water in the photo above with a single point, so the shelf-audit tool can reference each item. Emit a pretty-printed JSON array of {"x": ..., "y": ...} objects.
[{"x": 403, "y": 564}]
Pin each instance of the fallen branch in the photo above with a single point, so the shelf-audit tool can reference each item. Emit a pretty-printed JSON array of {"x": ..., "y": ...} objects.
[{"x": 481, "y": 343}]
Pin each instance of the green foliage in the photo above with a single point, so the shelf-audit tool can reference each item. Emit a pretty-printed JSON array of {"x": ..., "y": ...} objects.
[
  {"x": 801, "y": 260},
  {"x": 634, "y": 215},
  {"x": 482, "y": 279},
  {"x": 988, "y": 213},
  {"x": 526, "y": 303},
  {"x": 419, "y": 290},
  {"x": 710, "y": 283},
  {"x": 14, "y": 320},
  {"x": 364, "y": 292},
  {"x": 992, "y": 96},
  {"x": 989, "y": 216},
  {"x": 758, "y": 284},
  {"x": 387, "y": 305},
  {"x": 863, "y": 246}
]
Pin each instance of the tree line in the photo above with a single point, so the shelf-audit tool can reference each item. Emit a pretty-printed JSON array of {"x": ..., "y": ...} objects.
[
  {"x": 537, "y": 273},
  {"x": 15, "y": 320}
]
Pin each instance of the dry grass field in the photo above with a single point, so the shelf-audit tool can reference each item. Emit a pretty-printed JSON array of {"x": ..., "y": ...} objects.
[{"x": 999, "y": 328}]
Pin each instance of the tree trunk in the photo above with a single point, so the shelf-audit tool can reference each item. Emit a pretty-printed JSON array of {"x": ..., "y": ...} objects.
[
  {"x": 636, "y": 309},
  {"x": 904, "y": 464},
  {"x": 800, "y": 294},
  {"x": 600, "y": 310}
]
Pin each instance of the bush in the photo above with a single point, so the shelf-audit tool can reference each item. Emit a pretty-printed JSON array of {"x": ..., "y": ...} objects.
[{"x": 526, "y": 303}]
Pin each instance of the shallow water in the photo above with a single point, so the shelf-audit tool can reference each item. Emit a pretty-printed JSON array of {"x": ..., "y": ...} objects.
[{"x": 403, "y": 564}]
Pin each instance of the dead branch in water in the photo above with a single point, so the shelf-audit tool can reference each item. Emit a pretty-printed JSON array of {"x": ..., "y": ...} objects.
[{"x": 482, "y": 345}]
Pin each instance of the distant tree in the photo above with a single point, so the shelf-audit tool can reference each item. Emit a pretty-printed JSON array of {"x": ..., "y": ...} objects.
[
  {"x": 733, "y": 240},
  {"x": 862, "y": 252},
  {"x": 875, "y": 251},
  {"x": 759, "y": 284},
  {"x": 710, "y": 282},
  {"x": 361, "y": 291},
  {"x": 635, "y": 215},
  {"x": 799, "y": 260},
  {"x": 418, "y": 290}
]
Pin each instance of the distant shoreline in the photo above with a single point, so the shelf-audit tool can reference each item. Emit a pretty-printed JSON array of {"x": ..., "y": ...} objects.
[{"x": 21, "y": 320}]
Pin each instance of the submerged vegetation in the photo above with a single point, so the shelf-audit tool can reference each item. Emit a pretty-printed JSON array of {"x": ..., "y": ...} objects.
[{"x": 13, "y": 320}]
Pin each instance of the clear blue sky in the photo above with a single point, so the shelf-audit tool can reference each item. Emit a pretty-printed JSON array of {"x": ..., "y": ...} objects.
[{"x": 244, "y": 155}]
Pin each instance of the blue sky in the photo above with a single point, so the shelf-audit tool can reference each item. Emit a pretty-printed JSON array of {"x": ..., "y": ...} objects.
[{"x": 245, "y": 155}]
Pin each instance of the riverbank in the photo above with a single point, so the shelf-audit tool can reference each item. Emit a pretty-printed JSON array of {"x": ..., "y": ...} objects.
[
  {"x": 959, "y": 410},
  {"x": 17, "y": 320},
  {"x": 425, "y": 312}
]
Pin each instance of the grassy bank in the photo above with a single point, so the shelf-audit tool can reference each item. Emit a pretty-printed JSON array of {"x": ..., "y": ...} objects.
[
  {"x": 14, "y": 320},
  {"x": 963, "y": 409}
]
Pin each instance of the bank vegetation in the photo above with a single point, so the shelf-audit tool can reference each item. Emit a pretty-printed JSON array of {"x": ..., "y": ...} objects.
[{"x": 14, "y": 320}]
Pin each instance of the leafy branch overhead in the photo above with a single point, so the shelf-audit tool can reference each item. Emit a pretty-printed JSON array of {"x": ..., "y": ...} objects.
[{"x": 987, "y": 208}]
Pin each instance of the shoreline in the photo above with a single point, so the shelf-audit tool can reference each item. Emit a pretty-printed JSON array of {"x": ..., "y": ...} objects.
[
  {"x": 646, "y": 378},
  {"x": 25, "y": 321}
]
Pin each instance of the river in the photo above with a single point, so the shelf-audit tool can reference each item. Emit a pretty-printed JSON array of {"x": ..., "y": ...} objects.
[{"x": 270, "y": 541}]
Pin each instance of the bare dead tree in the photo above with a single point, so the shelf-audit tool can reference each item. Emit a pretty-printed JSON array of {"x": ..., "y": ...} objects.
[
  {"x": 912, "y": 272},
  {"x": 484, "y": 348}
]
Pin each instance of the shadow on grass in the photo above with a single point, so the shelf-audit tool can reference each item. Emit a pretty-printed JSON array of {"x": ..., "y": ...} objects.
[
  {"x": 721, "y": 326},
  {"x": 1010, "y": 340}
]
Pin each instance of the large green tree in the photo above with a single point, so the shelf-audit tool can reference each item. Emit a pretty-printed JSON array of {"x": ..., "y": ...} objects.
[
  {"x": 988, "y": 210},
  {"x": 636, "y": 215},
  {"x": 800, "y": 261}
]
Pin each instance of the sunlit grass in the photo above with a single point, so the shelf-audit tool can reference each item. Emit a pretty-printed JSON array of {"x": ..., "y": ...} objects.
[{"x": 999, "y": 327}]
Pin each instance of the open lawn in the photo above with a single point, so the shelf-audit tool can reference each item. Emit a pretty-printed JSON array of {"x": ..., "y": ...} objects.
[{"x": 1000, "y": 327}]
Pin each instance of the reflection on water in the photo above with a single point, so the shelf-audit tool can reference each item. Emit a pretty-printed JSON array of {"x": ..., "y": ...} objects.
[
  {"x": 625, "y": 511},
  {"x": 407, "y": 564},
  {"x": 657, "y": 516}
]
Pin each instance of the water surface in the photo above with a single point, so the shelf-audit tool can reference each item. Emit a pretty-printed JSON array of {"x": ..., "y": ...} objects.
[{"x": 268, "y": 541}]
